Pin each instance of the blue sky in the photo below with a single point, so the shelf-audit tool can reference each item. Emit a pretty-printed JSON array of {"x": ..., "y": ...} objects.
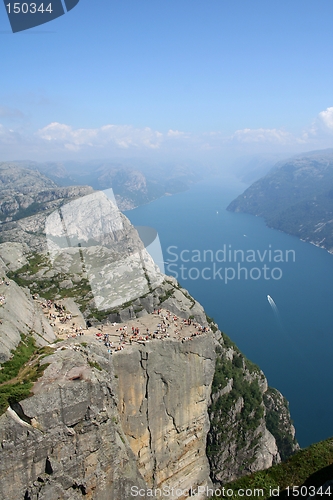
[{"x": 209, "y": 79}]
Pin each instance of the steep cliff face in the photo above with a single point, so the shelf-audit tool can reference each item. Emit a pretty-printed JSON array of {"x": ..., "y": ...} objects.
[
  {"x": 279, "y": 423},
  {"x": 99, "y": 425},
  {"x": 141, "y": 421},
  {"x": 19, "y": 315},
  {"x": 65, "y": 442},
  {"x": 163, "y": 389},
  {"x": 239, "y": 439}
]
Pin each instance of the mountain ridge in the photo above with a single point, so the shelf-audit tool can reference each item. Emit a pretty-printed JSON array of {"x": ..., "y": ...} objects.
[{"x": 296, "y": 197}]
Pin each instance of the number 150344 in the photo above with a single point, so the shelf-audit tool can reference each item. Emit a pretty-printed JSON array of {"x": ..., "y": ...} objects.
[
  {"x": 309, "y": 491},
  {"x": 28, "y": 8}
]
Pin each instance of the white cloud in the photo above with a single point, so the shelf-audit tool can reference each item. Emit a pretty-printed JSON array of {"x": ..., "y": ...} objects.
[
  {"x": 175, "y": 133},
  {"x": 121, "y": 136},
  {"x": 326, "y": 118},
  {"x": 319, "y": 133},
  {"x": 62, "y": 141},
  {"x": 262, "y": 135}
]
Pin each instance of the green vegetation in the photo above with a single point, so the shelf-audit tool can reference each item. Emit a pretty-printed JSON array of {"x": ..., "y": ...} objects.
[
  {"x": 96, "y": 365},
  {"x": 312, "y": 466},
  {"x": 252, "y": 367},
  {"x": 225, "y": 422},
  {"x": 30, "y": 276},
  {"x": 220, "y": 410},
  {"x": 18, "y": 373},
  {"x": 147, "y": 279},
  {"x": 181, "y": 289},
  {"x": 32, "y": 209},
  {"x": 35, "y": 263},
  {"x": 188, "y": 296},
  {"x": 276, "y": 425},
  {"x": 211, "y": 323},
  {"x": 21, "y": 355},
  {"x": 168, "y": 294},
  {"x": 237, "y": 412},
  {"x": 102, "y": 315},
  {"x": 48, "y": 288}
]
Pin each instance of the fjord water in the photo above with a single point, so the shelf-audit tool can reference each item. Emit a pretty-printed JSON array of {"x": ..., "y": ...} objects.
[{"x": 293, "y": 344}]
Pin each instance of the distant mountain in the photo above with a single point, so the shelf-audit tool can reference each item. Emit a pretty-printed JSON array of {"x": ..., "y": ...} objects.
[
  {"x": 133, "y": 182},
  {"x": 24, "y": 192},
  {"x": 296, "y": 196},
  {"x": 26, "y": 198},
  {"x": 251, "y": 168}
]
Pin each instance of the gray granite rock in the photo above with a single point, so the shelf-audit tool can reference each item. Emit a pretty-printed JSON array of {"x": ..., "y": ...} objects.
[
  {"x": 20, "y": 315},
  {"x": 74, "y": 444}
]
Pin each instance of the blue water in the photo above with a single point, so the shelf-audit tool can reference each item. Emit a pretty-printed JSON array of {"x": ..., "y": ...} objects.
[{"x": 294, "y": 347}]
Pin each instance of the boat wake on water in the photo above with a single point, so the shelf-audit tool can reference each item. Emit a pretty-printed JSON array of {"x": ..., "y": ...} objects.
[
  {"x": 276, "y": 312},
  {"x": 282, "y": 328},
  {"x": 272, "y": 304}
]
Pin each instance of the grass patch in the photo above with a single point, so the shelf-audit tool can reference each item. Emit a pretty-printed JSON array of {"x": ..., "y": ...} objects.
[
  {"x": 167, "y": 295},
  {"x": 13, "y": 393},
  {"x": 102, "y": 315},
  {"x": 21, "y": 355},
  {"x": 48, "y": 288},
  {"x": 188, "y": 296},
  {"x": 32, "y": 209},
  {"x": 211, "y": 323},
  {"x": 35, "y": 262},
  {"x": 148, "y": 280},
  {"x": 94, "y": 364},
  {"x": 312, "y": 466},
  {"x": 228, "y": 426},
  {"x": 252, "y": 367},
  {"x": 251, "y": 413},
  {"x": 18, "y": 374},
  {"x": 277, "y": 425}
]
